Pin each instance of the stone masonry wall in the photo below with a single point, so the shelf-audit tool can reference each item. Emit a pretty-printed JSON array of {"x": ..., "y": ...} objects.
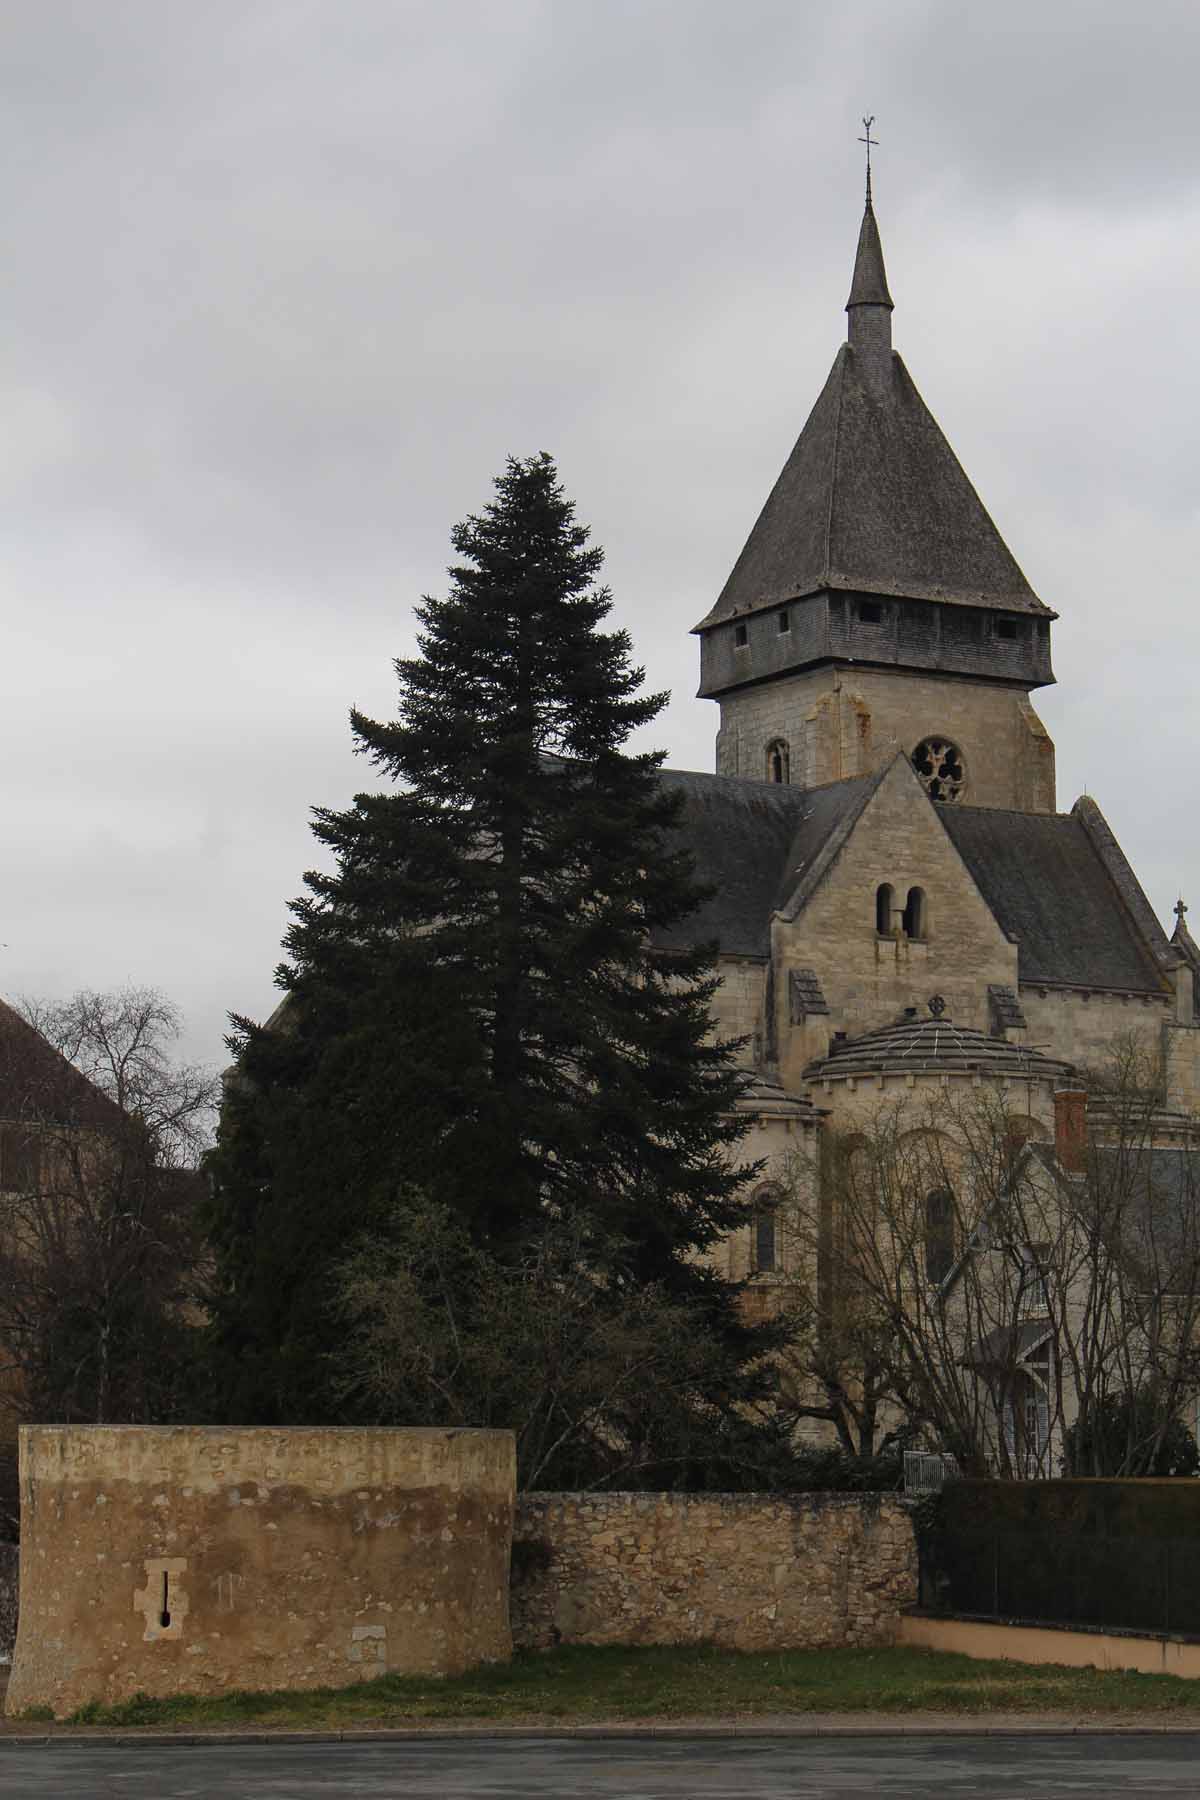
[
  {"x": 1086, "y": 1028},
  {"x": 866, "y": 979},
  {"x": 192, "y": 1559},
  {"x": 744, "y": 1571},
  {"x": 840, "y": 723}
]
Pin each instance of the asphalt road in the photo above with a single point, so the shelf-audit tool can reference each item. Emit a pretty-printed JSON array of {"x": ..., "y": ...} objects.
[{"x": 901, "y": 1768}]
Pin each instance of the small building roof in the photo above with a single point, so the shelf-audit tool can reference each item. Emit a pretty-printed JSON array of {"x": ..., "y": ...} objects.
[
  {"x": 766, "y": 1097},
  {"x": 1006, "y": 1345}
]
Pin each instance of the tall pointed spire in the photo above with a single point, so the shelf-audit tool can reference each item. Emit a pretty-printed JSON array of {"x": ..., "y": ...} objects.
[
  {"x": 869, "y": 285},
  {"x": 870, "y": 304}
]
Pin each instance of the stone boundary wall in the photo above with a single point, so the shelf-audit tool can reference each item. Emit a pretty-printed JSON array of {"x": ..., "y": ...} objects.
[
  {"x": 745, "y": 1571},
  {"x": 184, "y": 1559}
]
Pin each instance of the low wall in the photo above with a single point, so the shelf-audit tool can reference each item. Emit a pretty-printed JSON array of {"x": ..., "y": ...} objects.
[
  {"x": 183, "y": 1559},
  {"x": 745, "y": 1571},
  {"x": 1014, "y": 1642}
]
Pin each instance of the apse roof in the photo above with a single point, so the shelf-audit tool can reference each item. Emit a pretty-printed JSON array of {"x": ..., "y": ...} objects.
[{"x": 913, "y": 1045}]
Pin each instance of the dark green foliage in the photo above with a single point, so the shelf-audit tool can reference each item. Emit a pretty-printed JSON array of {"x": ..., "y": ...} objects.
[
  {"x": 476, "y": 1010},
  {"x": 838, "y": 1471},
  {"x": 1130, "y": 1434},
  {"x": 603, "y": 1380}
]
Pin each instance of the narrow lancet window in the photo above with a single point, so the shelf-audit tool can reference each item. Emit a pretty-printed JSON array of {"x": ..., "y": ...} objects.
[
  {"x": 778, "y": 761},
  {"x": 939, "y": 1234},
  {"x": 914, "y": 913},
  {"x": 883, "y": 909},
  {"x": 765, "y": 1242}
]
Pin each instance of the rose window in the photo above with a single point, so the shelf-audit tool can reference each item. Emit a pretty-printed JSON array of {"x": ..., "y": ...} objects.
[{"x": 939, "y": 764}]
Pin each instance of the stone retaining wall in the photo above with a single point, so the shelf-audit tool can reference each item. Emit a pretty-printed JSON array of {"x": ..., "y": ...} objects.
[{"x": 746, "y": 1571}]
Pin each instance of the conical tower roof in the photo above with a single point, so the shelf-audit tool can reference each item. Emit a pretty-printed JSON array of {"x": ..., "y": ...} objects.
[
  {"x": 868, "y": 286},
  {"x": 872, "y": 498}
]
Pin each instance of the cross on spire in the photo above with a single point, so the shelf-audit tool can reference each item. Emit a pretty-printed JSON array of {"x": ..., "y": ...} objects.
[
  {"x": 1180, "y": 909},
  {"x": 868, "y": 140}
]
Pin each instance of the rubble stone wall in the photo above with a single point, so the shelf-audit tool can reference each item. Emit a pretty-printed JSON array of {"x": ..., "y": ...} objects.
[{"x": 744, "y": 1571}]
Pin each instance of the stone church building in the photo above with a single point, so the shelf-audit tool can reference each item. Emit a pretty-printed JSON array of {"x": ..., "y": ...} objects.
[{"x": 883, "y": 827}]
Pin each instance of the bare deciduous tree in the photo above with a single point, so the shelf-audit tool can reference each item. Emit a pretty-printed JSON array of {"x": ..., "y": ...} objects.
[
  {"x": 100, "y": 1136},
  {"x": 956, "y": 1280}
]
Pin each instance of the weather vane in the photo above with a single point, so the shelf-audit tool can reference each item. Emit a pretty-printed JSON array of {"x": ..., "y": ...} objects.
[{"x": 868, "y": 141}]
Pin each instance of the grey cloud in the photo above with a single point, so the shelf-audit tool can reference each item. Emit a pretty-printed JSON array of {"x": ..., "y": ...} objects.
[{"x": 287, "y": 279}]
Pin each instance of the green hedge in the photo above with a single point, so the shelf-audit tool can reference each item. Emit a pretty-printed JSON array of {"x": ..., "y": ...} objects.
[{"x": 1123, "y": 1554}]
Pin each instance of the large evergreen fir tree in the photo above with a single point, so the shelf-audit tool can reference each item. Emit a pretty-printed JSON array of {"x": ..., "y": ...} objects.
[{"x": 476, "y": 1007}]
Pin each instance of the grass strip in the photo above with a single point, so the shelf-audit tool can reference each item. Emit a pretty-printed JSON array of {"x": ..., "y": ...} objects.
[{"x": 584, "y": 1685}]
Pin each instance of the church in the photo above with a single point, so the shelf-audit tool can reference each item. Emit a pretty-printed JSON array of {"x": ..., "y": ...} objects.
[{"x": 898, "y": 901}]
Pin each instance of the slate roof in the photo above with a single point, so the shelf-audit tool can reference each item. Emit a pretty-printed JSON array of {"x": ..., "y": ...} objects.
[
  {"x": 828, "y": 817},
  {"x": 1056, "y": 882},
  {"x": 753, "y": 842},
  {"x": 36, "y": 1083},
  {"x": 738, "y": 833},
  {"x": 915, "y": 1045},
  {"x": 1188, "y": 948},
  {"x": 868, "y": 286},
  {"x": 1151, "y": 1192},
  {"x": 873, "y": 499},
  {"x": 763, "y": 1094},
  {"x": 1044, "y": 878}
]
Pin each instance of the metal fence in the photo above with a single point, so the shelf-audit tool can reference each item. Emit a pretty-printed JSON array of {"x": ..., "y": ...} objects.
[
  {"x": 927, "y": 1471},
  {"x": 1120, "y": 1583}
]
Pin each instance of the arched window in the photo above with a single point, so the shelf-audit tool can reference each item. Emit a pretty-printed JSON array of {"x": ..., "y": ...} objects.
[
  {"x": 884, "y": 903},
  {"x": 914, "y": 913},
  {"x": 764, "y": 1236},
  {"x": 778, "y": 760},
  {"x": 939, "y": 1234}
]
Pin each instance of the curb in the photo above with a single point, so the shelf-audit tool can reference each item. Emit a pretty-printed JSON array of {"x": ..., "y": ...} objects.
[{"x": 118, "y": 1739}]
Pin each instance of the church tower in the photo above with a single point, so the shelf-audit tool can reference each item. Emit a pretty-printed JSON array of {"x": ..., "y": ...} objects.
[{"x": 875, "y": 607}]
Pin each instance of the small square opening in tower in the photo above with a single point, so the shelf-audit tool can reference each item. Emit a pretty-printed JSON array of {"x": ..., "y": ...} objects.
[
  {"x": 870, "y": 612},
  {"x": 783, "y": 620},
  {"x": 741, "y": 636},
  {"x": 1007, "y": 628}
]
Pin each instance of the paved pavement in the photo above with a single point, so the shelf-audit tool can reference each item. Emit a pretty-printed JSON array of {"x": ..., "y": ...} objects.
[{"x": 1024, "y": 1767}]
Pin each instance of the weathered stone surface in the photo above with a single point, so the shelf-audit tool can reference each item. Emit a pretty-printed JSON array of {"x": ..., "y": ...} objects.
[
  {"x": 194, "y": 1560},
  {"x": 746, "y": 1571}
]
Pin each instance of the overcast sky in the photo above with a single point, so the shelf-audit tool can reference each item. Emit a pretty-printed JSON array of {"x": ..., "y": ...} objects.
[{"x": 286, "y": 280}]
